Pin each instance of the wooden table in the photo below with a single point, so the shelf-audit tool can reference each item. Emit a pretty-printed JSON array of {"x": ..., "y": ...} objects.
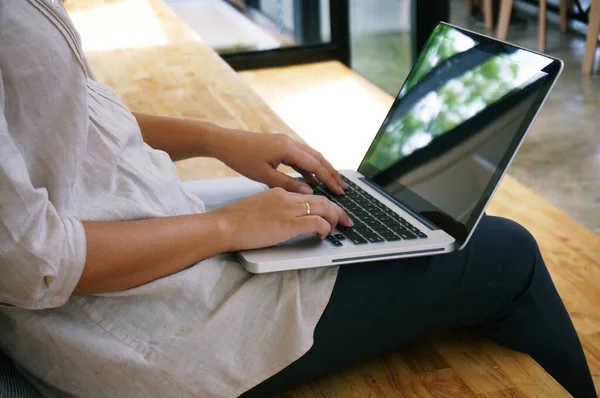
[{"x": 157, "y": 65}]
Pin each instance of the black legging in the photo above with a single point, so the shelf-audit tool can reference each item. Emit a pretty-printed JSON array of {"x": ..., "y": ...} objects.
[{"x": 498, "y": 285}]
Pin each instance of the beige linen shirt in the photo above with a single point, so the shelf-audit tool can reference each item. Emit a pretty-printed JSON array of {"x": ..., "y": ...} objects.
[{"x": 70, "y": 151}]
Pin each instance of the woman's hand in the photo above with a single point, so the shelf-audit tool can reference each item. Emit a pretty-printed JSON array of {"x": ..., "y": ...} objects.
[
  {"x": 254, "y": 155},
  {"x": 257, "y": 156},
  {"x": 277, "y": 216}
]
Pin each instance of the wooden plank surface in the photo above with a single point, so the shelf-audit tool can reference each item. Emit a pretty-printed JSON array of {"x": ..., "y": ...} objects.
[{"x": 173, "y": 73}]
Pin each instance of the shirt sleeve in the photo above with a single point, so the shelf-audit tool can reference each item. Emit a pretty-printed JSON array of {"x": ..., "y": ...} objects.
[{"x": 42, "y": 254}]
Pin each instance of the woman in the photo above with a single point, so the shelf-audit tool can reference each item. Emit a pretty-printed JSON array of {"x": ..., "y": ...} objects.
[{"x": 115, "y": 281}]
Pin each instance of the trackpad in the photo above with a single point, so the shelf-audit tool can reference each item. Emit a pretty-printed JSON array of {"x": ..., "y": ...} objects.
[{"x": 307, "y": 241}]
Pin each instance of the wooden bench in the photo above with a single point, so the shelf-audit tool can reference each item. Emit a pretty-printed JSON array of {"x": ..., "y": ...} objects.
[{"x": 158, "y": 65}]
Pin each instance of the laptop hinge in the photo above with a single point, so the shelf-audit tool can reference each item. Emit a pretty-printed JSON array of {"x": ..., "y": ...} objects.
[{"x": 395, "y": 201}]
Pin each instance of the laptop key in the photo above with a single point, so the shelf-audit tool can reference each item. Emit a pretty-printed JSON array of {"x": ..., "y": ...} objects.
[
  {"x": 354, "y": 237},
  {"x": 406, "y": 224},
  {"x": 388, "y": 233},
  {"x": 375, "y": 238},
  {"x": 370, "y": 235},
  {"x": 358, "y": 224},
  {"x": 361, "y": 214},
  {"x": 402, "y": 230},
  {"x": 407, "y": 235},
  {"x": 415, "y": 230},
  {"x": 393, "y": 224},
  {"x": 388, "y": 222},
  {"x": 380, "y": 214},
  {"x": 381, "y": 229},
  {"x": 363, "y": 230},
  {"x": 351, "y": 209},
  {"x": 373, "y": 221},
  {"x": 370, "y": 221}
]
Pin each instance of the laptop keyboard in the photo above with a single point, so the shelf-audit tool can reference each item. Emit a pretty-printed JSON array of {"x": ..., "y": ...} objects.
[{"x": 373, "y": 221}]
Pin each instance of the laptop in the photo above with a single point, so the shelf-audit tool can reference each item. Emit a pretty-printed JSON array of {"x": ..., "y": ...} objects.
[{"x": 437, "y": 159}]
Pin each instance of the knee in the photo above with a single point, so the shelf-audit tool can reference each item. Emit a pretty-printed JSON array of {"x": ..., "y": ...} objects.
[
  {"x": 516, "y": 246},
  {"x": 516, "y": 238}
]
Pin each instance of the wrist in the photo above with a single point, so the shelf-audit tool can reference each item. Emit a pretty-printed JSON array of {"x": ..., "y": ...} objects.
[
  {"x": 217, "y": 140},
  {"x": 223, "y": 229}
]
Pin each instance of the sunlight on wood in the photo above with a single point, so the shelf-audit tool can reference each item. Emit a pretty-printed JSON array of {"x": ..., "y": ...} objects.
[
  {"x": 124, "y": 24},
  {"x": 123, "y": 31},
  {"x": 330, "y": 111},
  {"x": 341, "y": 139}
]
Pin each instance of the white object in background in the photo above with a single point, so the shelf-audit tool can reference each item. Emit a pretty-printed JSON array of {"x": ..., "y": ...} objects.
[
  {"x": 221, "y": 26},
  {"x": 219, "y": 192}
]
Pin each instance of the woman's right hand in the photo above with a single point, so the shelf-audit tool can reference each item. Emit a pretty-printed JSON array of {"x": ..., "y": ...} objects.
[{"x": 276, "y": 216}]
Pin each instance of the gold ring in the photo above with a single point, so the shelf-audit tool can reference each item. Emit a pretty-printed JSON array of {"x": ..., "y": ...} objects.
[{"x": 307, "y": 208}]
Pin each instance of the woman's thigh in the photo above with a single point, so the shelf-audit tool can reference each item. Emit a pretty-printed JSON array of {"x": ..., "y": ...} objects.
[{"x": 378, "y": 306}]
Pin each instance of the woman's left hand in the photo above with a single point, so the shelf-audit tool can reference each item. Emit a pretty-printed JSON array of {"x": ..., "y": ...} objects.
[{"x": 257, "y": 156}]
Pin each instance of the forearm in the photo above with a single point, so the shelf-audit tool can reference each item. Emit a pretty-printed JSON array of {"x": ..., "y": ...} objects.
[
  {"x": 122, "y": 255},
  {"x": 181, "y": 138}
]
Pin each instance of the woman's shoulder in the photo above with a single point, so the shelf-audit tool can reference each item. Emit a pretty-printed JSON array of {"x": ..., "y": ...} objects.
[{"x": 36, "y": 37}]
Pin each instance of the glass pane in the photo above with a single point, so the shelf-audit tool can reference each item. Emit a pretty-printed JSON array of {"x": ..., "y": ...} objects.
[
  {"x": 381, "y": 41},
  {"x": 231, "y": 26}
]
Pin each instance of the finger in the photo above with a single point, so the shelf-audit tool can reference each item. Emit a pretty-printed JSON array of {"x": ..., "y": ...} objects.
[
  {"x": 306, "y": 162},
  {"x": 321, "y": 206},
  {"x": 309, "y": 177},
  {"x": 343, "y": 217},
  {"x": 316, "y": 207},
  {"x": 319, "y": 156},
  {"x": 309, "y": 224},
  {"x": 277, "y": 179}
]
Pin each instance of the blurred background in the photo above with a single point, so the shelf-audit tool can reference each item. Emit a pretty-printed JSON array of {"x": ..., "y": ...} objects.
[{"x": 378, "y": 39}]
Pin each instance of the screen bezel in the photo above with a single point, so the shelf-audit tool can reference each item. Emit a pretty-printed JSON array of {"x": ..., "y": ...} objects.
[{"x": 552, "y": 70}]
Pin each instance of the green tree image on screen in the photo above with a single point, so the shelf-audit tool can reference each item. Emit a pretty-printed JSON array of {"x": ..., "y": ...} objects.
[{"x": 455, "y": 101}]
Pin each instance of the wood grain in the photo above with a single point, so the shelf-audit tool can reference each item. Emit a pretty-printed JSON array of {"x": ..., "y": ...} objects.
[{"x": 178, "y": 76}]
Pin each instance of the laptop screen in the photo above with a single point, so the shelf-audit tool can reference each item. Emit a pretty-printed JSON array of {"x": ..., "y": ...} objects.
[{"x": 456, "y": 124}]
